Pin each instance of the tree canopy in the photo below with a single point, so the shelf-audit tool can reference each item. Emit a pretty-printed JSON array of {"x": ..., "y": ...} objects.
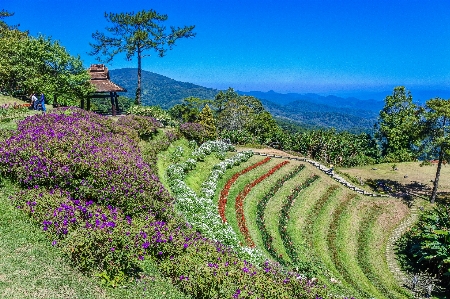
[
  {"x": 135, "y": 33},
  {"x": 398, "y": 128},
  {"x": 39, "y": 64}
]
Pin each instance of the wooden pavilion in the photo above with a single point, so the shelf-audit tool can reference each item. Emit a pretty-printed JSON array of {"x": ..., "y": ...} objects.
[{"x": 104, "y": 88}]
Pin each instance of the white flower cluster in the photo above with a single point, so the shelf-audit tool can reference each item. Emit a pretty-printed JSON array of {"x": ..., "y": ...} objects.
[
  {"x": 178, "y": 171},
  {"x": 201, "y": 213},
  {"x": 211, "y": 146}
]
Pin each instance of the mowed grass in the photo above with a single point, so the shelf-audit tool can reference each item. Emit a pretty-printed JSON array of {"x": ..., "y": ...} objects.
[
  {"x": 271, "y": 221},
  {"x": 238, "y": 186},
  {"x": 372, "y": 239},
  {"x": 338, "y": 233},
  {"x": 273, "y": 211},
  {"x": 408, "y": 174}
]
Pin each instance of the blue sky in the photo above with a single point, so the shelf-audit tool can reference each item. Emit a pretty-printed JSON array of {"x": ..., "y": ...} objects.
[{"x": 327, "y": 47}]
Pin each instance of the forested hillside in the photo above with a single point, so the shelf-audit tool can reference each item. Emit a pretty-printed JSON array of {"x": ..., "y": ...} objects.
[
  {"x": 158, "y": 89},
  {"x": 309, "y": 110}
]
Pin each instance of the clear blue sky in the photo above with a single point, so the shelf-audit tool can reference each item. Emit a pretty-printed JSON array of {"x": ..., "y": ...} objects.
[{"x": 328, "y": 47}]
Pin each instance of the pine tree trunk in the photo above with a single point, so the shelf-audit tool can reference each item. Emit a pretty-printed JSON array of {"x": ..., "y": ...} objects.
[
  {"x": 438, "y": 173},
  {"x": 138, "y": 91}
]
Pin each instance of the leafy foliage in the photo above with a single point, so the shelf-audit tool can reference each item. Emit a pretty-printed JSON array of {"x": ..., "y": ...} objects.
[
  {"x": 194, "y": 131},
  {"x": 29, "y": 64},
  {"x": 436, "y": 134},
  {"x": 428, "y": 243},
  {"x": 332, "y": 147},
  {"x": 206, "y": 119},
  {"x": 398, "y": 128},
  {"x": 145, "y": 126},
  {"x": 156, "y": 112}
]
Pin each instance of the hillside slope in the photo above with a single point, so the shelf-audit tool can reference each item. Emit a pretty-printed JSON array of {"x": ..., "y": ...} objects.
[
  {"x": 309, "y": 110},
  {"x": 158, "y": 89}
]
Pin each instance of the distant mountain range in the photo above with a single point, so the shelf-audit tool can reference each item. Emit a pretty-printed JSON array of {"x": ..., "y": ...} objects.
[{"x": 305, "y": 109}]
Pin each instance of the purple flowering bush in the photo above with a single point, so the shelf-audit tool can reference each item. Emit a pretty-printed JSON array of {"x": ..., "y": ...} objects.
[
  {"x": 207, "y": 269},
  {"x": 85, "y": 180},
  {"x": 98, "y": 239},
  {"x": 193, "y": 131},
  {"x": 85, "y": 154},
  {"x": 144, "y": 125}
]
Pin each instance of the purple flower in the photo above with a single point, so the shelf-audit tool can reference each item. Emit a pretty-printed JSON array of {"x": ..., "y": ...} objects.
[{"x": 236, "y": 294}]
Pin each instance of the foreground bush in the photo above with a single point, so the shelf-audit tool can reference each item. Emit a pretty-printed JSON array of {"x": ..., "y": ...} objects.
[
  {"x": 427, "y": 245},
  {"x": 87, "y": 155},
  {"x": 194, "y": 131},
  {"x": 145, "y": 126}
]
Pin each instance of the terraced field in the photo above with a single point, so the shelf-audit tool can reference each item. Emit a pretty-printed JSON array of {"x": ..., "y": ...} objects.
[{"x": 293, "y": 213}]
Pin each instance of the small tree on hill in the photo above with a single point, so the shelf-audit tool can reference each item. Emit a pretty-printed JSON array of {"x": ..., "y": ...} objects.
[
  {"x": 398, "y": 127},
  {"x": 133, "y": 34},
  {"x": 206, "y": 119}
]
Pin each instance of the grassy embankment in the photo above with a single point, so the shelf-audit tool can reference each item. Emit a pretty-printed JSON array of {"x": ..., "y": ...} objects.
[{"x": 341, "y": 235}]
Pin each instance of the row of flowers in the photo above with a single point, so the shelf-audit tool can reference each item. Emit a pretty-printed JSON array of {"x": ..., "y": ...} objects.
[
  {"x": 239, "y": 204},
  {"x": 179, "y": 170},
  {"x": 226, "y": 189},
  {"x": 260, "y": 208},
  {"x": 222, "y": 272},
  {"x": 199, "y": 211},
  {"x": 209, "y": 186},
  {"x": 284, "y": 218}
]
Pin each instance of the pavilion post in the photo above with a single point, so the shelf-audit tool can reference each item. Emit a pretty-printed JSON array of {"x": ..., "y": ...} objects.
[
  {"x": 113, "y": 106},
  {"x": 116, "y": 101}
]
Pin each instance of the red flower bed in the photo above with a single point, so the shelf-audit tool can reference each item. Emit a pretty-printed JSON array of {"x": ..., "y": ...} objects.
[
  {"x": 226, "y": 189},
  {"x": 239, "y": 206}
]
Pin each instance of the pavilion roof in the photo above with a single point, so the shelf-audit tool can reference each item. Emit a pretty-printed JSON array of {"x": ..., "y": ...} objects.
[{"x": 100, "y": 79}]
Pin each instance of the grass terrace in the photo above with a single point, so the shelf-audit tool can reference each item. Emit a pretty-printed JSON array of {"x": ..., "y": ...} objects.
[{"x": 99, "y": 208}]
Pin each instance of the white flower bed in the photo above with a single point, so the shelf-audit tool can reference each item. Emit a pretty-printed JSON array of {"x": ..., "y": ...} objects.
[
  {"x": 211, "y": 146},
  {"x": 200, "y": 211}
]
